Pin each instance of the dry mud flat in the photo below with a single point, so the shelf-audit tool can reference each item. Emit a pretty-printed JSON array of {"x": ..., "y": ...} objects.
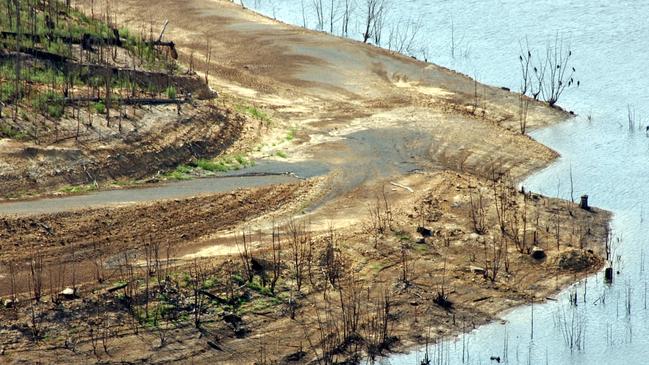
[{"x": 412, "y": 237}]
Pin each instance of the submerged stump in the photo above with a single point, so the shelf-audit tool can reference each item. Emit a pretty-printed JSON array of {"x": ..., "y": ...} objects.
[{"x": 608, "y": 275}]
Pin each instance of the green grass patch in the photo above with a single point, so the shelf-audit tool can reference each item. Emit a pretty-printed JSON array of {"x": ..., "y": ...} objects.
[
  {"x": 210, "y": 283},
  {"x": 253, "y": 112},
  {"x": 180, "y": 173},
  {"x": 256, "y": 286},
  {"x": 403, "y": 236},
  {"x": 100, "y": 107},
  {"x": 281, "y": 154},
  {"x": 124, "y": 182},
  {"x": 224, "y": 164},
  {"x": 238, "y": 279},
  {"x": 171, "y": 92},
  {"x": 212, "y": 165},
  {"x": 8, "y": 131},
  {"x": 76, "y": 189},
  {"x": 50, "y": 103},
  {"x": 421, "y": 247},
  {"x": 376, "y": 266},
  {"x": 7, "y": 91},
  {"x": 260, "y": 305},
  {"x": 291, "y": 134}
]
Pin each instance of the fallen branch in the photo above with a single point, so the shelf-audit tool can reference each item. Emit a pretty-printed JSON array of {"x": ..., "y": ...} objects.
[{"x": 402, "y": 186}]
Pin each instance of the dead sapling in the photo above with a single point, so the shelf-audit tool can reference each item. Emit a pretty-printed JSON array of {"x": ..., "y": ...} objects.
[
  {"x": 276, "y": 249},
  {"x": 245, "y": 256},
  {"x": 478, "y": 212}
]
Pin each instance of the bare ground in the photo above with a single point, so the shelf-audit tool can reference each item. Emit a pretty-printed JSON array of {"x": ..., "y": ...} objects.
[{"x": 375, "y": 119}]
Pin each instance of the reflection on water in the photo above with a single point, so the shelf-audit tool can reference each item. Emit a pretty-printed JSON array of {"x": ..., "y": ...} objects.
[{"x": 609, "y": 162}]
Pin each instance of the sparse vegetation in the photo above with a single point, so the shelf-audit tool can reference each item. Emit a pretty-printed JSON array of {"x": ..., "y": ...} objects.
[
  {"x": 202, "y": 166},
  {"x": 281, "y": 154},
  {"x": 254, "y": 112}
]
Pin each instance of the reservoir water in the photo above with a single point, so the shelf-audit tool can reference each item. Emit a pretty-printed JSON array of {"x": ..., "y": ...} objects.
[{"x": 609, "y": 160}]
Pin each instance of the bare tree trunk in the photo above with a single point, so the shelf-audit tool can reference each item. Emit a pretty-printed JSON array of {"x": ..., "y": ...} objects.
[{"x": 18, "y": 61}]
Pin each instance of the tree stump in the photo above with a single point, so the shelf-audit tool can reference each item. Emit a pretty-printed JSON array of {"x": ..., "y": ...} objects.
[{"x": 608, "y": 275}]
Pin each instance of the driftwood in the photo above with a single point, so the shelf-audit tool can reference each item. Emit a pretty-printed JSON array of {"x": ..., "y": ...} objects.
[
  {"x": 170, "y": 45},
  {"x": 402, "y": 186}
]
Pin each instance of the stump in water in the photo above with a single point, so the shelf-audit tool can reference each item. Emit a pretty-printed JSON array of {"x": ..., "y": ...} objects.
[
  {"x": 584, "y": 202},
  {"x": 608, "y": 275}
]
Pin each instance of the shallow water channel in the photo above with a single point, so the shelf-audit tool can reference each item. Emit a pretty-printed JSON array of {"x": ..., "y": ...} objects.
[{"x": 609, "y": 160}]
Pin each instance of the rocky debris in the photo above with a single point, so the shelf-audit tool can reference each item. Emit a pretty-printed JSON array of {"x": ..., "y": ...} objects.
[
  {"x": 68, "y": 293},
  {"x": 477, "y": 270},
  {"x": 236, "y": 323},
  {"x": 8, "y": 303},
  {"x": 538, "y": 253},
  {"x": 442, "y": 300},
  {"x": 424, "y": 232},
  {"x": 577, "y": 260},
  {"x": 214, "y": 345},
  {"x": 295, "y": 357},
  {"x": 117, "y": 286}
]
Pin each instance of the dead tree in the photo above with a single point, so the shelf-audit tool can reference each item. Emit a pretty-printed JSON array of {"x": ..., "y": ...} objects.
[
  {"x": 553, "y": 73},
  {"x": 377, "y": 323},
  {"x": 208, "y": 60},
  {"x": 349, "y": 293},
  {"x": 18, "y": 63},
  {"x": 523, "y": 108},
  {"x": 298, "y": 241},
  {"x": 406, "y": 264},
  {"x": 245, "y": 256},
  {"x": 559, "y": 74},
  {"x": 197, "y": 274},
  {"x": 36, "y": 277},
  {"x": 525, "y": 59},
  {"x": 478, "y": 212},
  {"x": 277, "y": 259},
  {"x": 347, "y": 13},
  {"x": 374, "y": 11},
  {"x": 319, "y": 12},
  {"x": 494, "y": 259}
]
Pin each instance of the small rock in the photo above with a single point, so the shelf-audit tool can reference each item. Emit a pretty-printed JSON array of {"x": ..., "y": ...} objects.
[
  {"x": 8, "y": 303},
  {"x": 538, "y": 253},
  {"x": 425, "y": 232},
  {"x": 295, "y": 357},
  {"x": 68, "y": 293},
  {"x": 477, "y": 270}
]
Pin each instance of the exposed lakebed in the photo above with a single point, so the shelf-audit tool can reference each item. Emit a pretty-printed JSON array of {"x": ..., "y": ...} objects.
[{"x": 608, "y": 159}]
